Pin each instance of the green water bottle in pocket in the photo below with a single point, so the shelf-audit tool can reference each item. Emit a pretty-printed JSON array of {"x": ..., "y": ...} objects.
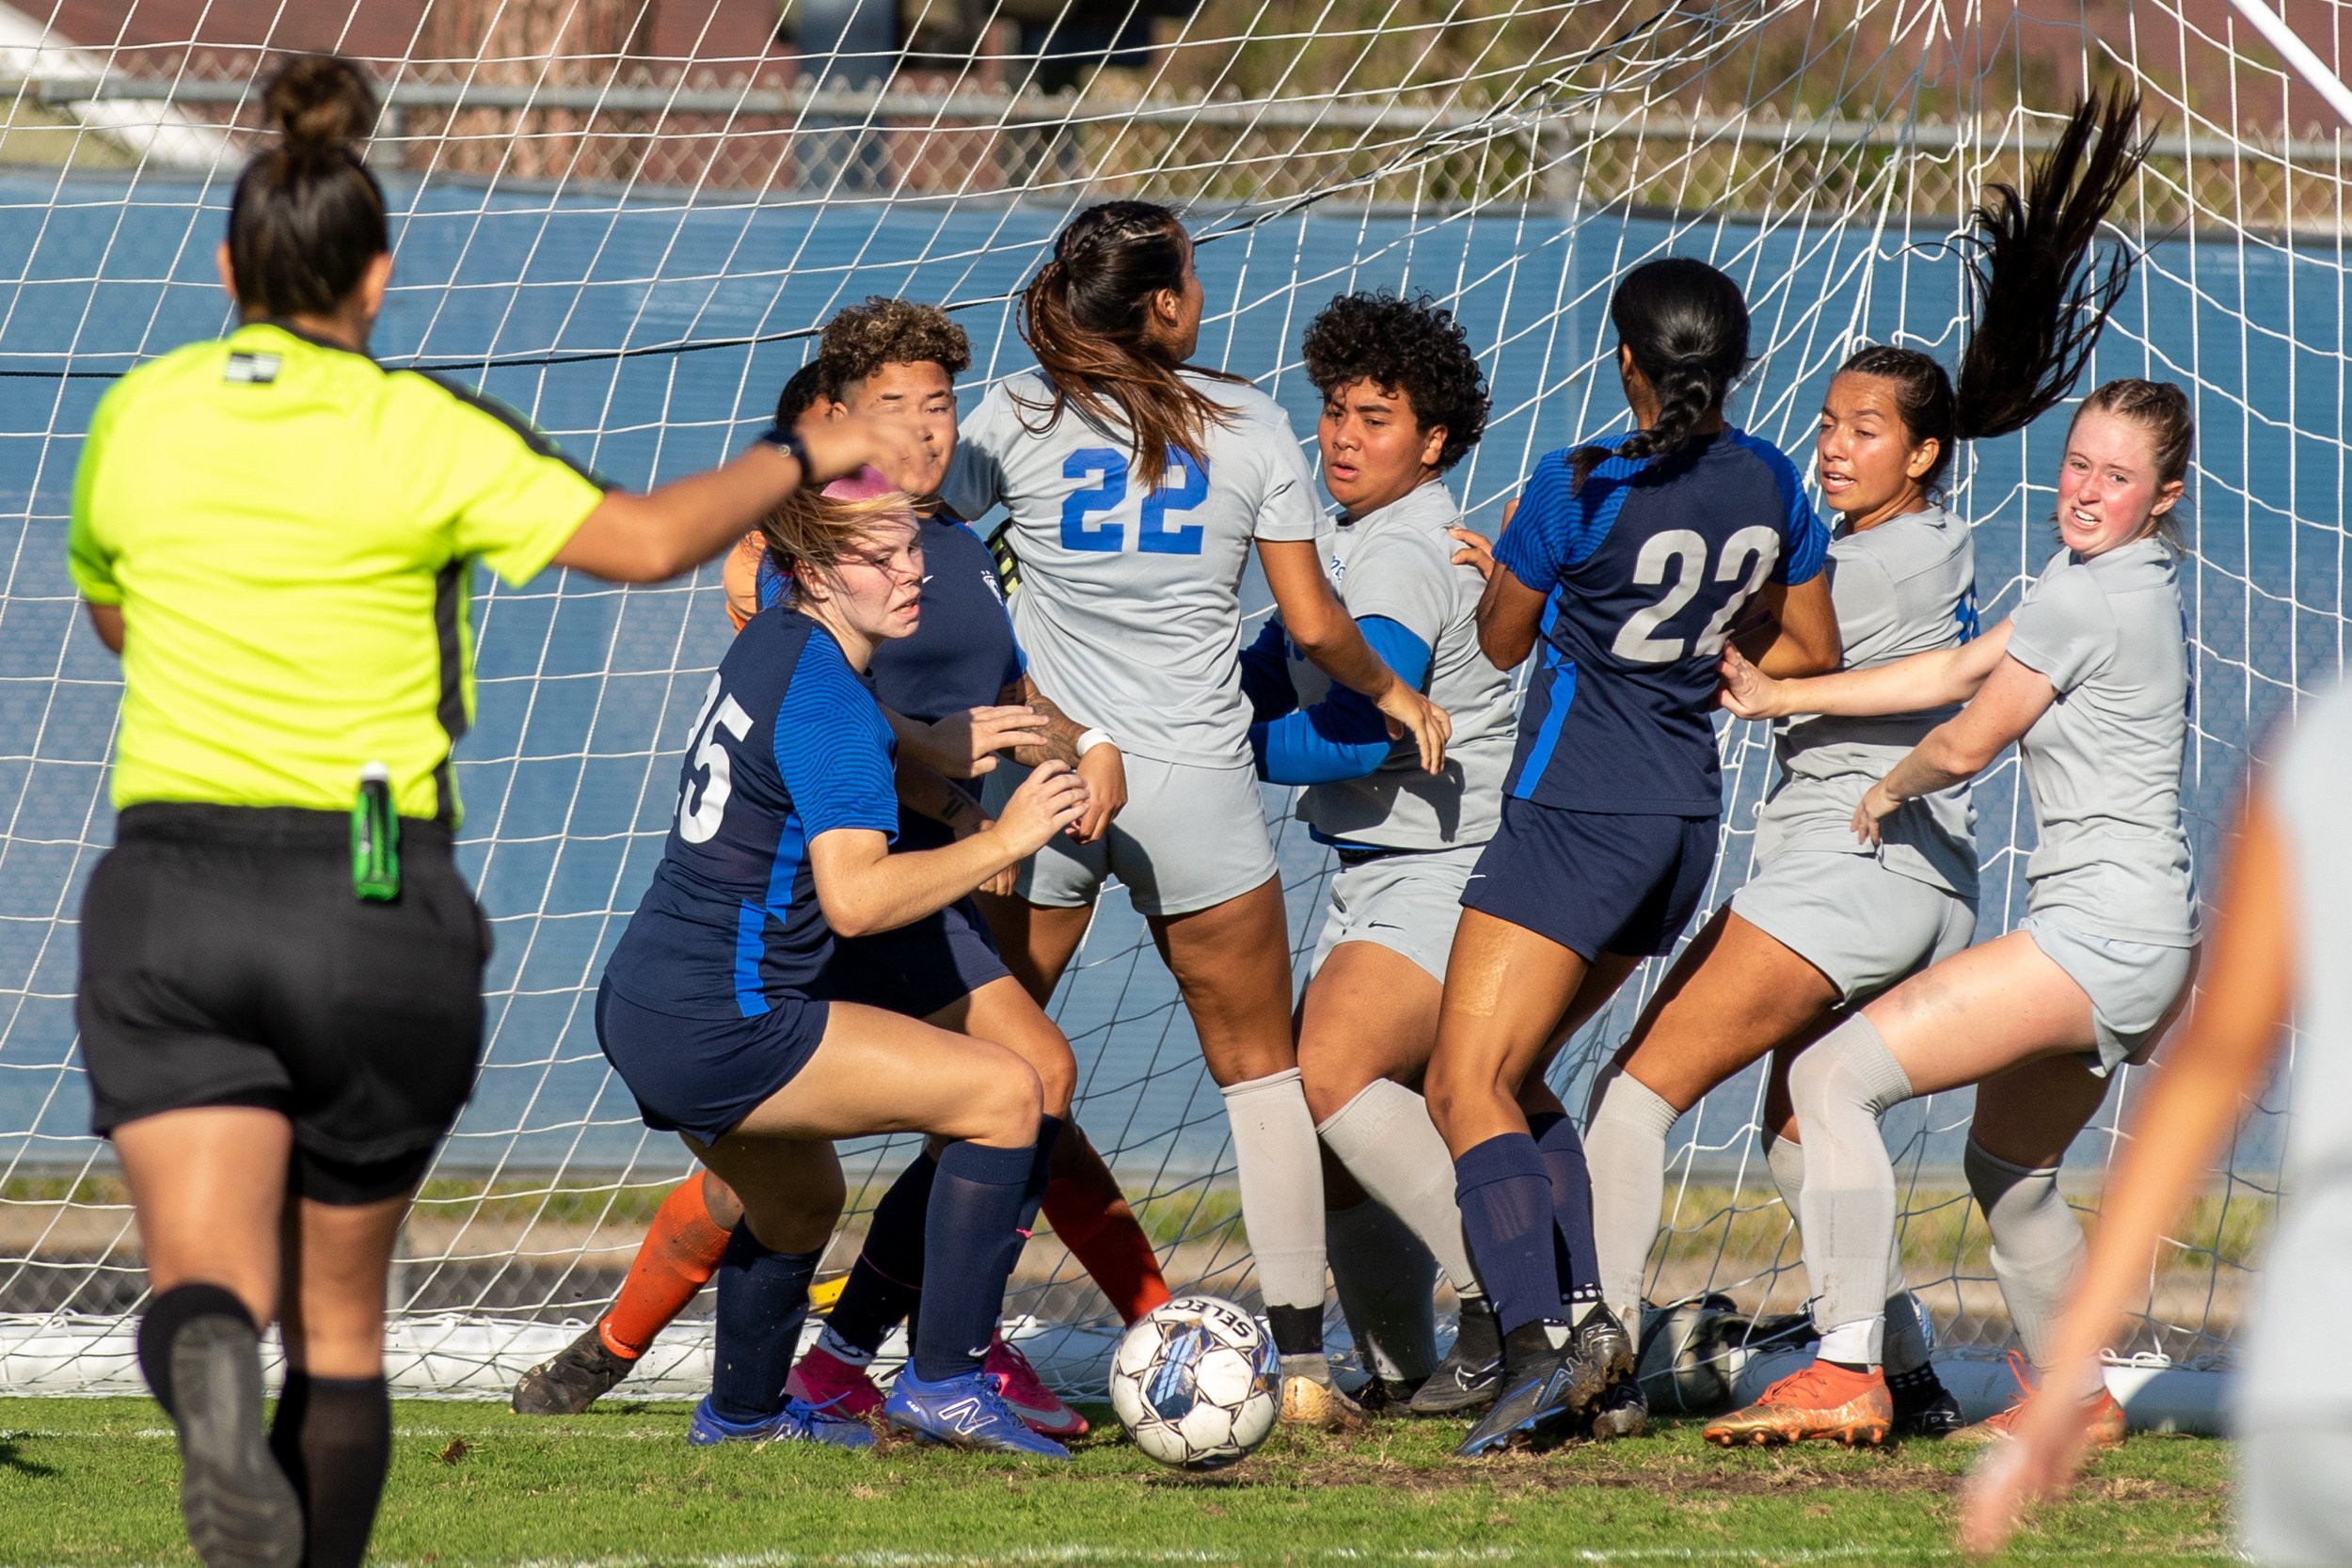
[{"x": 376, "y": 837}]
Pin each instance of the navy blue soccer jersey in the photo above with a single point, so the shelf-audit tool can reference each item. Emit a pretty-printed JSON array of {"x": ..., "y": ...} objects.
[
  {"x": 1644, "y": 572},
  {"x": 961, "y": 656},
  {"x": 788, "y": 745}
]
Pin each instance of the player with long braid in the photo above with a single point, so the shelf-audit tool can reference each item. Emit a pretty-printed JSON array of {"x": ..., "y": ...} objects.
[
  {"x": 2089, "y": 677},
  {"x": 1827, "y": 921},
  {"x": 955, "y": 691},
  {"x": 1634, "y": 567},
  {"x": 1136, "y": 486}
]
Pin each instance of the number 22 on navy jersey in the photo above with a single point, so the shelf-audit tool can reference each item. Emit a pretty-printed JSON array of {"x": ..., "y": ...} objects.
[{"x": 1646, "y": 570}]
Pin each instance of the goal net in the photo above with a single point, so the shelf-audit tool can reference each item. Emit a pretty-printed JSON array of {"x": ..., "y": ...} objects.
[{"x": 629, "y": 217}]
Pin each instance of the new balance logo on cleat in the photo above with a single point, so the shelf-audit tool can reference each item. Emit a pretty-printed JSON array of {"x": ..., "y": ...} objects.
[{"x": 966, "y": 1416}]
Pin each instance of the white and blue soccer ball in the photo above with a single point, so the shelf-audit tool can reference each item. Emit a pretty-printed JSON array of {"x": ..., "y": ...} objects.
[{"x": 1197, "y": 1383}]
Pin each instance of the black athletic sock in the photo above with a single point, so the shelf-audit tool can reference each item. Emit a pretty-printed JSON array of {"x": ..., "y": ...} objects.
[
  {"x": 1478, "y": 1340},
  {"x": 971, "y": 1242},
  {"x": 1571, "y": 1210},
  {"x": 166, "y": 1316},
  {"x": 1532, "y": 1342},
  {"x": 1298, "y": 1330},
  {"x": 887, "y": 1278},
  {"x": 333, "y": 1437},
  {"x": 1505, "y": 1199},
  {"x": 763, "y": 1295}
]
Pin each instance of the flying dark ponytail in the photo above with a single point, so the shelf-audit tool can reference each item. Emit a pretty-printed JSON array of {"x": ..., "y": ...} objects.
[
  {"x": 1685, "y": 326},
  {"x": 308, "y": 217},
  {"x": 1086, "y": 317},
  {"x": 2039, "y": 296}
]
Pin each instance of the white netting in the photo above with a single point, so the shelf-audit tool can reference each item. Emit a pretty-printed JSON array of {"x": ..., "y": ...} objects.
[{"x": 628, "y": 216}]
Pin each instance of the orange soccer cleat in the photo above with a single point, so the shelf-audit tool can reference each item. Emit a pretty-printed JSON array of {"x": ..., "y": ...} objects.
[
  {"x": 2103, "y": 1422},
  {"x": 1823, "y": 1404}
]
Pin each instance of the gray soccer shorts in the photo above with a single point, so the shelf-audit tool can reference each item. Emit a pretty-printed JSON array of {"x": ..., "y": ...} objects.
[
  {"x": 1859, "y": 923},
  {"x": 2132, "y": 985},
  {"x": 1190, "y": 838},
  {"x": 1409, "y": 902}
]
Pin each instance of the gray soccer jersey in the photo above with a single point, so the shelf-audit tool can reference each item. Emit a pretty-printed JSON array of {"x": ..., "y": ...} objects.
[
  {"x": 2294, "y": 1375},
  {"x": 1398, "y": 562},
  {"x": 1129, "y": 608},
  {"x": 2103, "y": 760},
  {"x": 1907, "y": 586}
]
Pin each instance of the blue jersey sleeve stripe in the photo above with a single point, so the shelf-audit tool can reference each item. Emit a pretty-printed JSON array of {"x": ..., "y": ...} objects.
[
  {"x": 833, "y": 746},
  {"x": 1533, "y": 544}
]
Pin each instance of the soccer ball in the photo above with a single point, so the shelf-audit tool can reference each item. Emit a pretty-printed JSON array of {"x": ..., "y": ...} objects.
[{"x": 1196, "y": 1383}]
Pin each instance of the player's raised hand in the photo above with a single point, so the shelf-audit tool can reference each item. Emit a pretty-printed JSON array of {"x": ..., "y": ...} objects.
[
  {"x": 1477, "y": 550},
  {"x": 1747, "y": 691},
  {"x": 1049, "y": 799},
  {"x": 1411, "y": 713},
  {"x": 839, "y": 447},
  {"x": 964, "y": 745}
]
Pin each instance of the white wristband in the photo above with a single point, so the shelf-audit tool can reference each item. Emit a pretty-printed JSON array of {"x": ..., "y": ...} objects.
[{"x": 1090, "y": 739}]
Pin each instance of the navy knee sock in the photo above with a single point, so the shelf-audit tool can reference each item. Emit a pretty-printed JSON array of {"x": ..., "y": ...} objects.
[
  {"x": 1571, "y": 1208},
  {"x": 970, "y": 1243},
  {"x": 1505, "y": 1197},
  {"x": 763, "y": 1296},
  {"x": 886, "y": 1280}
]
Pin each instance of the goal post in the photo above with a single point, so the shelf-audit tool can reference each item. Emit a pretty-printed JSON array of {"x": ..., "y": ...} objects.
[{"x": 629, "y": 220}]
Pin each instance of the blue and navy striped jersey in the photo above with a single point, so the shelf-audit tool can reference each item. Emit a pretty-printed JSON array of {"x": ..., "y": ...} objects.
[
  {"x": 788, "y": 745},
  {"x": 961, "y": 654},
  {"x": 1646, "y": 571}
]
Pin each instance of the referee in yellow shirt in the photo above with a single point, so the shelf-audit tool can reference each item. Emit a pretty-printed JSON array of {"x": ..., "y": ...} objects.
[{"x": 280, "y": 1001}]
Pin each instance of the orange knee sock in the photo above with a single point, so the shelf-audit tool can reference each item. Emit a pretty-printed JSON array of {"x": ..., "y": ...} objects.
[
  {"x": 1085, "y": 1207},
  {"x": 680, "y": 1253}
]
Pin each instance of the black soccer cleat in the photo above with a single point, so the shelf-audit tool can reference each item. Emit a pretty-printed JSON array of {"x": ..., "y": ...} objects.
[
  {"x": 1386, "y": 1397},
  {"x": 568, "y": 1383},
  {"x": 1622, "y": 1411},
  {"x": 1470, "y": 1375},
  {"x": 1546, "y": 1388},
  {"x": 240, "y": 1509},
  {"x": 1923, "y": 1407}
]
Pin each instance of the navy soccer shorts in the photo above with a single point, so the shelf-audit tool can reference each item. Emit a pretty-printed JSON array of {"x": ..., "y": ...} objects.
[
  {"x": 1595, "y": 881},
  {"x": 918, "y": 968}
]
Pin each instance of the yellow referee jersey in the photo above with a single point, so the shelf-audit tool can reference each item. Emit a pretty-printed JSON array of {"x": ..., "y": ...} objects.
[{"x": 289, "y": 528}]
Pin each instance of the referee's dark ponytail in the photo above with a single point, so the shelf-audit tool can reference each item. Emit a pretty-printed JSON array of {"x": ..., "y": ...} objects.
[
  {"x": 308, "y": 217},
  {"x": 1685, "y": 326},
  {"x": 2039, "y": 298}
]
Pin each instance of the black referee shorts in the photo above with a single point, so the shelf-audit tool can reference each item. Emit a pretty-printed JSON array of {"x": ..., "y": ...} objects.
[{"x": 226, "y": 961}]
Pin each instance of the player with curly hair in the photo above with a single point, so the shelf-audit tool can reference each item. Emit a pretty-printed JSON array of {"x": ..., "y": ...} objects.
[{"x": 1402, "y": 403}]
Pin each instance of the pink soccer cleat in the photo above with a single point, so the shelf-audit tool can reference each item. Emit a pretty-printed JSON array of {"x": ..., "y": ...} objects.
[
  {"x": 832, "y": 1385},
  {"x": 1040, "y": 1408}
]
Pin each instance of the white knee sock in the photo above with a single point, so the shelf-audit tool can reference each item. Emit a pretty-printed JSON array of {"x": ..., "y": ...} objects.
[
  {"x": 1840, "y": 1087},
  {"x": 1625, "y": 1146},
  {"x": 1906, "y": 1348},
  {"x": 1385, "y": 1138},
  {"x": 1384, "y": 1277},
  {"x": 2037, "y": 1245},
  {"x": 1282, "y": 1187}
]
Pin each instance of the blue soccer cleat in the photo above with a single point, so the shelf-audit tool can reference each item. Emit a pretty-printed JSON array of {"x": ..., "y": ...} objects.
[
  {"x": 797, "y": 1422},
  {"x": 967, "y": 1412}
]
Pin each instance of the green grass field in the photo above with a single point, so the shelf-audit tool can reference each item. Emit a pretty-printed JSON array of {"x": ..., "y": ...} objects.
[{"x": 92, "y": 1481}]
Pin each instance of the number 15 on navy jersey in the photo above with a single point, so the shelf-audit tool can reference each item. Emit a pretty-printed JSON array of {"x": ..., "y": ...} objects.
[{"x": 1646, "y": 571}]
